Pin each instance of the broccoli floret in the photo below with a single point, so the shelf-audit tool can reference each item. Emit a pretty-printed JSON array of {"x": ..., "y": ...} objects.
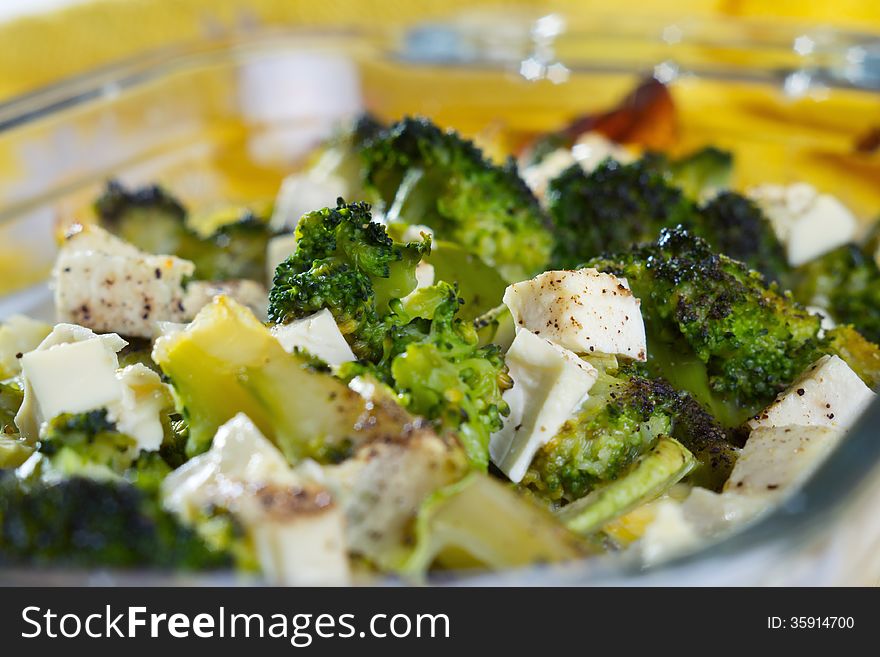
[
  {"x": 87, "y": 444},
  {"x": 702, "y": 172},
  {"x": 83, "y": 522},
  {"x": 619, "y": 421},
  {"x": 735, "y": 226},
  {"x": 611, "y": 209},
  {"x": 651, "y": 475},
  {"x": 234, "y": 251},
  {"x": 341, "y": 155},
  {"x": 440, "y": 372},
  {"x": 347, "y": 263},
  {"x": 154, "y": 221},
  {"x": 846, "y": 282},
  {"x": 425, "y": 175},
  {"x": 618, "y": 205},
  {"x": 90, "y": 445},
  {"x": 148, "y": 217},
  {"x": 862, "y": 355},
  {"x": 716, "y": 328}
]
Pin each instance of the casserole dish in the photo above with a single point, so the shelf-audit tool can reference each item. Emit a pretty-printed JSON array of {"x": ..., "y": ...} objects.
[{"x": 229, "y": 119}]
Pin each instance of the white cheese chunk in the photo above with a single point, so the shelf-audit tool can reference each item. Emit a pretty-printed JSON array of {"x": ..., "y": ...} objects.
[
  {"x": 138, "y": 412},
  {"x": 668, "y": 534},
  {"x": 297, "y": 530},
  {"x": 827, "y": 394},
  {"x": 679, "y": 527},
  {"x": 549, "y": 385},
  {"x": 109, "y": 286},
  {"x": 317, "y": 334},
  {"x": 385, "y": 484},
  {"x": 18, "y": 335},
  {"x": 74, "y": 370},
  {"x": 278, "y": 250},
  {"x": 807, "y": 223},
  {"x": 71, "y": 378},
  {"x": 583, "y": 310},
  {"x": 776, "y": 459},
  {"x": 592, "y": 148},
  {"x": 538, "y": 176},
  {"x": 826, "y": 321}
]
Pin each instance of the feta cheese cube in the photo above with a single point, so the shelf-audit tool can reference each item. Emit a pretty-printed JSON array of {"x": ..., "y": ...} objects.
[
  {"x": 109, "y": 286},
  {"x": 827, "y": 394},
  {"x": 71, "y": 378},
  {"x": 296, "y": 528},
  {"x": 776, "y": 459},
  {"x": 138, "y": 412},
  {"x": 679, "y": 527},
  {"x": 549, "y": 385},
  {"x": 74, "y": 370},
  {"x": 826, "y": 322},
  {"x": 298, "y": 534},
  {"x": 807, "y": 223},
  {"x": 424, "y": 275},
  {"x": 538, "y": 176},
  {"x": 317, "y": 334},
  {"x": 592, "y": 148},
  {"x": 385, "y": 484},
  {"x": 583, "y": 310}
]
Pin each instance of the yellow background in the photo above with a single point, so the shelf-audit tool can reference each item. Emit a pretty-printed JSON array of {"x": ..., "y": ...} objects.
[{"x": 39, "y": 49}]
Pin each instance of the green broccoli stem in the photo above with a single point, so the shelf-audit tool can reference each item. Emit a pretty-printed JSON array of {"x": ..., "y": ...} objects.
[{"x": 652, "y": 475}]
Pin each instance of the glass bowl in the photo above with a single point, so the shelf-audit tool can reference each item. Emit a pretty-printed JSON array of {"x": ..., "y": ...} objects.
[{"x": 224, "y": 121}]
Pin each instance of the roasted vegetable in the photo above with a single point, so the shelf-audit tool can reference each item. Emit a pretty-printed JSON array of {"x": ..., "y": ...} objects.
[
  {"x": 156, "y": 222},
  {"x": 611, "y": 209},
  {"x": 83, "y": 522},
  {"x": 480, "y": 523},
  {"x": 645, "y": 117},
  {"x": 735, "y": 226},
  {"x": 716, "y": 329},
  {"x": 427, "y": 176},
  {"x": 347, "y": 263},
  {"x": 440, "y": 372},
  {"x": 650, "y": 476},
  {"x": 621, "y": 421},
  {"x": 846, "y": 282}
]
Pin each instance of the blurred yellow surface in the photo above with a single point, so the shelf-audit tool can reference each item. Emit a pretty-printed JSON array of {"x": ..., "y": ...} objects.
[
  {"x": 39, "y": 49},
  {"x": 775, "y": 139}
]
